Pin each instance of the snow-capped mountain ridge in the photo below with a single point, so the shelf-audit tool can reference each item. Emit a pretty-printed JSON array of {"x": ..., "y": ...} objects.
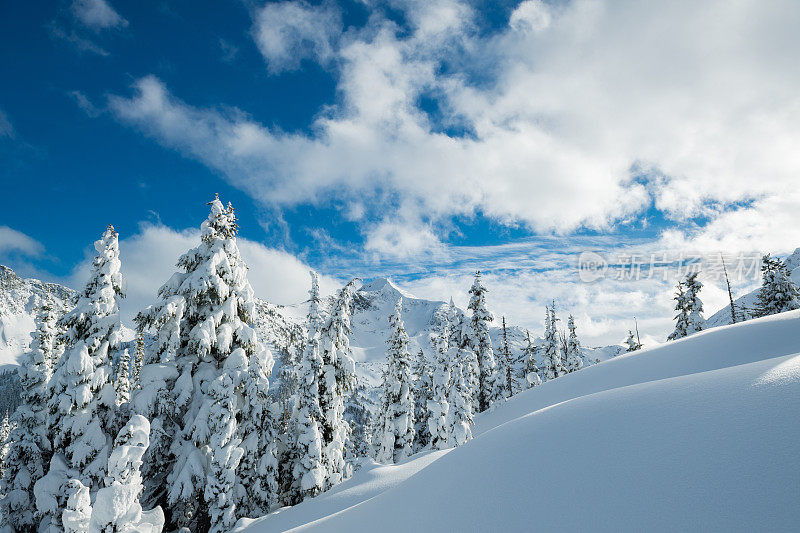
[{"x": 21, "y": 301}]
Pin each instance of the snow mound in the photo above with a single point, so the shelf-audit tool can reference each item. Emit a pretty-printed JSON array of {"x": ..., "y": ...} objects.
[{"x": 696, "y": 434}]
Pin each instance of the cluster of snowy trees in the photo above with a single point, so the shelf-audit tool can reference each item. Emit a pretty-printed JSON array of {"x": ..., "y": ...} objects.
[
  {"x": 186, "y": 426},
  {"x": 73, "y": 457},
  {"x": 433, "y": 407},
  {"x": 778, "y": 293}
]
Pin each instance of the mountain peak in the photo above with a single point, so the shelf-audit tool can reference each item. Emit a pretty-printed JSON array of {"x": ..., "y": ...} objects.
[{"x": 385, "y": 286}]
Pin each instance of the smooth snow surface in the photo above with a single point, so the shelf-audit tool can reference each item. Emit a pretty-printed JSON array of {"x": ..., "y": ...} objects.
[{"x": 697, "y": 434}]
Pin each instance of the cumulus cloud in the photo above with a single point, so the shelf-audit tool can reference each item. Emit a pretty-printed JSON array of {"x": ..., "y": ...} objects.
[
  {"x": 288, "y": 32},
  {"x": 97, "y": 14},
  {"x": 589, "y": 113}
]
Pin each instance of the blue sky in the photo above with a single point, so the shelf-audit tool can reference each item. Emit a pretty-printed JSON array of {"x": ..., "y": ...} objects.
[{"x": 404, "y": 138}]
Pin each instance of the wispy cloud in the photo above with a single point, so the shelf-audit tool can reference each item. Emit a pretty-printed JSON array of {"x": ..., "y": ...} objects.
[{"x": 6, "y": 128}]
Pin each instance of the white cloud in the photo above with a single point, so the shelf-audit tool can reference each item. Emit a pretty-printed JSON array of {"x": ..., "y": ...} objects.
[
  {"x": 12, "y": 240},
  {"x": 701, "y": 100},
  {"x": 288, "y": 32},
  {"x": 578, "y": 96},
  {"x": 97, "y": 14}
]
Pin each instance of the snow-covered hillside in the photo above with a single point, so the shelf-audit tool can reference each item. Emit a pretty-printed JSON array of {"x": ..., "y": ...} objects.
[
  {"x": 697, "y": 434},
  {"x": 20, "y": 304}
]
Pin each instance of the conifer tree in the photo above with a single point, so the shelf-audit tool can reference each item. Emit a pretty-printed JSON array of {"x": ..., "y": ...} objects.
[
  {"x": 138, "y": 361},
  {"x": 682, "y": 318},
  {"x": 438, "y": 405},
  {"x": 305, "y": 454},
  {"x": 423, "y": 390},
  {"x": 694, "y": 306},
  {"x": 778, "y": 293},
  {"x": 553, "y": 365},
  {"x": 196, "y": 384},
  {"x": 631, "y": 343},
  {"x": 78, "y": 507},
  {"x": 459, "y": 416},
  {"x": 489, "y": 384},
  {"x": 505, "y": 367},
  {"x": 82, "y": 405},
  {"x": 396, "y": 428},
  {"x": 338, "y": 369},
  {"x": 26, "y": 447},
  {"x": 574, "y": 361},
  {"x": 117, "y": 506},
  {"x": 460, "y": 331},
  {"x": 532, "y": 377},
  {"x": 122, "y": 381}
]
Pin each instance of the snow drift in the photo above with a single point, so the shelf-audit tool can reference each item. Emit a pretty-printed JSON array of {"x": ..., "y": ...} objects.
[{"x": 701, "y": 433}]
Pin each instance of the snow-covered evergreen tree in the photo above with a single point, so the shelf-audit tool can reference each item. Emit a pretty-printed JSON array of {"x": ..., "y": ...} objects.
[
  {"x": 490, "y": 387},
  {"x": 574, "y": 361},
  {"x": 553, "y": 365},
  {"x": 682, "y": 317},
  {"x": 532, "y": 377},
  {"x": 305, "y": 454},
  {"x": 82, "y": 405},
  {"x": 5, "y": 432},
  {"x": 338, "y": 369},
  {"x": 778, "y": 293},
  {"x": 505, "y": 368},
  {"x": 694, "y": 306},
  {"x": 116, "y": 506},
  {"x": 28, "y": 449},
  {"x": 459, "y": 416},
  {"x": 396, "y": 428},
  {"x": 138, "y": 361},
  {"x": 423, "y": 390},
  {"x": 631, "y": 342},
  {"x": 258, "y": 470},
  {"x": 195, "y": 383},
  {"x": 439, "y": 405},
  {"x": 78, "y": 507},
  {"x": 122, "y": 380}
]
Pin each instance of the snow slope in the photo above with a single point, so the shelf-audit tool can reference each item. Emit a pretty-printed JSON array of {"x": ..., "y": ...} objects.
[{"x": 697, "y": 434}]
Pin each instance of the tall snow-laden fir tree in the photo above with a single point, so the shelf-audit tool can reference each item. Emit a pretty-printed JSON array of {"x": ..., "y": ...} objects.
[
  {"x": 122, "y": 380},
  {"x": 116, "y": 506},
  {"x": 395, "y": 438},
  {"x": 197, "y": 385},
  {"x": 532, "y": 377},
  {"x": 439, "y": 405},
  {"x": 305, "y": 453},
  {"x": 694, "y": 306},
  {"x": 778, "y": 293},
  {"x": 82, "y": 405},
  {"x": 505, "y": 368},
  {"x": 338, "y": 369},
  {"x": 553, "y": 366},
  {"x": 423, "y": 390},
  {"x": 490, "y": 387},
  {"x": 459, "y": 416},
  {"x": 682, "y": 318},
  {"x": 28, "y": 448},
  {"x": 257, "y": 486},
  {"x": 574, "y": 361},
  {"x": 138, "y": 360}
]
